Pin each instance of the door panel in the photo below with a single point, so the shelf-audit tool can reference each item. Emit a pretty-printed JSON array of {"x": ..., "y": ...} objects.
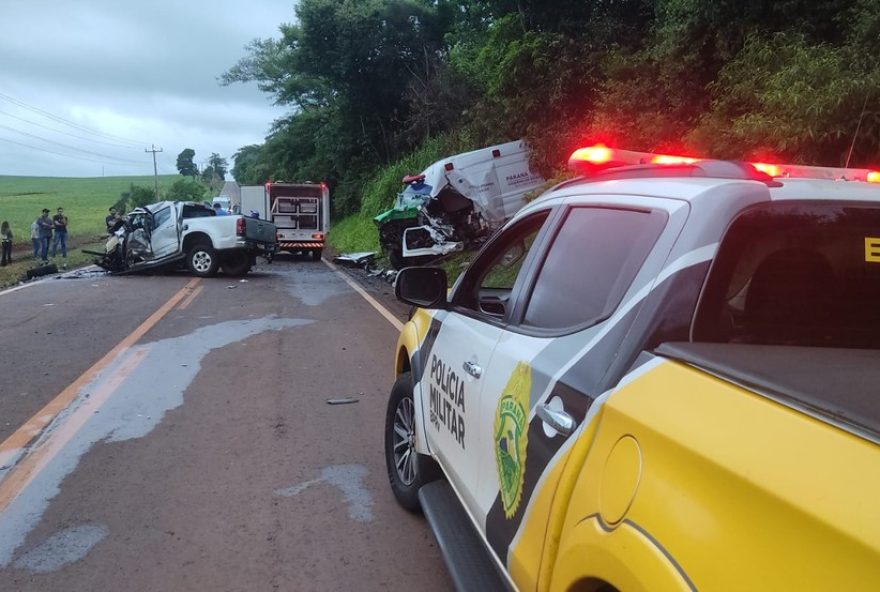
[
  {"x": 165, "y": 238},
  {"x": 450, "y": 387}
]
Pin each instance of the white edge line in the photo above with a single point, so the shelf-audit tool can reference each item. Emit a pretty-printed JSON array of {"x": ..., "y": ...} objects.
[{"x": 395, "y": 322}]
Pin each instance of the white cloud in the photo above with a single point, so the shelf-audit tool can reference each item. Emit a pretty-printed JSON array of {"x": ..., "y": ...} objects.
[{"x": 145, "y": 74}]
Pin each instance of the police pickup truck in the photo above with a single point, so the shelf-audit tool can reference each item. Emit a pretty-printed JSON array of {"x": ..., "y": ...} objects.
[
  {"x": 172, "y": 234},
  {"x": 661, "y": 375}
]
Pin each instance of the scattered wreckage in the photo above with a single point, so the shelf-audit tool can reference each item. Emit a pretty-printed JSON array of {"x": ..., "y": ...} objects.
[
  {"x": 185, "y": 234},
  {"x": 456, "y": 203}
]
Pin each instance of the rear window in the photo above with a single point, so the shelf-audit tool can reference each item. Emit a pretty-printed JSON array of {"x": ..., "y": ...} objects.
[{"x": 796, "y": 273}]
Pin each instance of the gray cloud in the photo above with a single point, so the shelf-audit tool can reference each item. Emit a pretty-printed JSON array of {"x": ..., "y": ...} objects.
[{"x": 145, "y": 72}]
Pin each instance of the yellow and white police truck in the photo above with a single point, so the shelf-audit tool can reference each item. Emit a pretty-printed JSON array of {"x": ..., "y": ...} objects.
[{"x": 660, "y": 375}]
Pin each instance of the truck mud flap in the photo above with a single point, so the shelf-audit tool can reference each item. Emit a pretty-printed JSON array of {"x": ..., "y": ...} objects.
[{"x": 466, "y": 557}]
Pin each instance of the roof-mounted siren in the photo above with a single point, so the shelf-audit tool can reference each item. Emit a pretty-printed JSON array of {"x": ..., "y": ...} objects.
[
  {"x": 601, "y": 163},
  {"x": 593, "y": 160}
]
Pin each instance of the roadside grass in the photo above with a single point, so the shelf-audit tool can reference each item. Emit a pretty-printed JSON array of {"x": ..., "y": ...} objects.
[
  {"x": 85, "y": 201},
  {"x": 356, "y": 233},
  {"x": 16, "y": 272}
]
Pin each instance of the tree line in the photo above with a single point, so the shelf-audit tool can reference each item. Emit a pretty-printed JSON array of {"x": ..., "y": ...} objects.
[{"x": 371, "y": 81}]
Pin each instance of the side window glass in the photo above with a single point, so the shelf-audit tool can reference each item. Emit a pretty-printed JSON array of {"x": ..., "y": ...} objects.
[
  {"x": 590, "y": 265},
  {"x": 161, "y": 217},
  {"x": 488, "y": 284}
]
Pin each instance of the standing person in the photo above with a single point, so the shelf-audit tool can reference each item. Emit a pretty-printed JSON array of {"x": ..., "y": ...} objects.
[
  {"x": 59, "y": 222},
  {"x": 46, "y": 226},
  {"x": 6, "y": 240},
  {"x": 218, "y": 210},
  {"x": 111, "y": 220},
  {"x": 35, "y": 238}
]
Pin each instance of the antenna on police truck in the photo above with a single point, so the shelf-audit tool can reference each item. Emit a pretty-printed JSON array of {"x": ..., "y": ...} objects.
[{"x": 859, "y": 125}]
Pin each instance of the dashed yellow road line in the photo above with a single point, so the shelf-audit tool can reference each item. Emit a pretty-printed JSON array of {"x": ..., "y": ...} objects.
[
  {"x": 373, "y": 302},
  {"x": 23, "y": 436}
]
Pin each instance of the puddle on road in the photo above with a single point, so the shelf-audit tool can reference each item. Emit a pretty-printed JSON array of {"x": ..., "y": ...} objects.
[
  {"x": 349, "y": 480},
  {"x": 62, "y": 548},
  {"x": 125, "y": 401}
]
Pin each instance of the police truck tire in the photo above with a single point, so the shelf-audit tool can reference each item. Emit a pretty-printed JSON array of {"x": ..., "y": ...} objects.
[
  {"x": 202, "y": 260},
  {"x": 407, "y": 469},
  {"x": 237, "y": 263}
]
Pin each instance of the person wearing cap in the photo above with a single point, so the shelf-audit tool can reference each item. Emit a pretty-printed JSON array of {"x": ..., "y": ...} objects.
[
  {"x": 45, "y": 226},
  {"x": 59, "y": 222}
]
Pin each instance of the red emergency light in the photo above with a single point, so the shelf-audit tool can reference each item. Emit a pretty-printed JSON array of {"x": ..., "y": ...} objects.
[{"x": 592, "y": 159}]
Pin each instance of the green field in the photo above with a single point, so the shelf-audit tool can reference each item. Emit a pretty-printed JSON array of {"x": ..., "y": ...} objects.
[{"x": 85, "y": 201}]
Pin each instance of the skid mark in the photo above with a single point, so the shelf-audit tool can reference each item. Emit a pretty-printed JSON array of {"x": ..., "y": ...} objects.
[
  {"x": 62, "y": 548},
  {"x": 126, "y": 400},
  {"x": 349, "y": 480}
]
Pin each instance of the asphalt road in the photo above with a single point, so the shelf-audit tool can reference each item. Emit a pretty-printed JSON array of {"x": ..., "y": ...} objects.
[{"x": 165, "y": 433}]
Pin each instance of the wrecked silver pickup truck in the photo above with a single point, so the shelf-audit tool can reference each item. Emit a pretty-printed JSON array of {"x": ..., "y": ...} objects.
[
  {"x": 186, "y": 234},
  {"x": 456, "y": 203}
]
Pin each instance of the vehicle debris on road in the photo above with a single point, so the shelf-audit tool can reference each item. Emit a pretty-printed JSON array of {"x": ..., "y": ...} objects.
[{"x": 342, "y": 401}]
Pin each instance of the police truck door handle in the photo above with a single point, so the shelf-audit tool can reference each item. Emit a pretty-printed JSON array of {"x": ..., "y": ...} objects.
[
  {"x": 557, "y": 419},
  {"x": 473, "y": 369}
]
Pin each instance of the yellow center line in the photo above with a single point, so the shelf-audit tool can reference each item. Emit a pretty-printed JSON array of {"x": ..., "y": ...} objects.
[
  {"x": 36, "y": 424},
  {"x": 190, "y": 298},
  {"x": 395, "y": 322},
  {"x": 27, "y": 469}
]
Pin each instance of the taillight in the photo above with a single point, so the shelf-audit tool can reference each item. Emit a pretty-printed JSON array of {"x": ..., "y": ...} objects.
[
  {"x": 873, "y": 177},
  {"x": 240, "y": 227},
  {"x": 318, "y": 236}
]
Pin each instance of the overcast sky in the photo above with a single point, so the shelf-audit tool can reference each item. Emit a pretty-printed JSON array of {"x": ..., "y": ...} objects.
[{"x": 139, "y": 74}]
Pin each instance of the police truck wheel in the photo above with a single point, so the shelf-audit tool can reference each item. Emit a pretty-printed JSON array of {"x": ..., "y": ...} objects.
[
  {"x": 407, "y": 469},
  {"x": 202, "y": 260},
  {"x": 316, "y": 254}
]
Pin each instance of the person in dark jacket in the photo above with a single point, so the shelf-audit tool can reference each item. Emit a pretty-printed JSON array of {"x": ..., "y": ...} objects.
[
  {"x": 44, "y": 223},
  {"x": 6, "y": 240}
]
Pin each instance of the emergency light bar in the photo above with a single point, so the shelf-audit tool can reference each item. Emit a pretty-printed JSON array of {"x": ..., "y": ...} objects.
[{"x": 593, "y": 159}]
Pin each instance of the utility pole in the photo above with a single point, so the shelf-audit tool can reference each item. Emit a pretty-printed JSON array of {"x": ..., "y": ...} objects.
[{"x": 154, "y": 150}]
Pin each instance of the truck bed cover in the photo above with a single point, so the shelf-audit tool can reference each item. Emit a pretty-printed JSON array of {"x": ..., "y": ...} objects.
[{"x": 839, "y": 386}]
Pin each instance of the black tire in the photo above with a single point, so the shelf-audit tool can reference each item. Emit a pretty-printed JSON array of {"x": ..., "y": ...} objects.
[
  {"x": 202, "y": 260},
  {"x": 408, "y": 470},
  {"x": 237, "y": 263},
  {"x": 316, "y": 254}
]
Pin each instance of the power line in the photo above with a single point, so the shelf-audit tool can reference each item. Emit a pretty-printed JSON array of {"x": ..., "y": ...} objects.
[
  {"x": 61, "y": 120},
  {"x": 12, "y": 129},
  {"x": 39, "y": 149},
  {"x": 57, "y": 131}
]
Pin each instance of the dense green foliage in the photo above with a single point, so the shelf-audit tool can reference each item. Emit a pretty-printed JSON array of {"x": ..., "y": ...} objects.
[
  {"x": 379, "y": 88},
  {"x": 185, "y": 164}
]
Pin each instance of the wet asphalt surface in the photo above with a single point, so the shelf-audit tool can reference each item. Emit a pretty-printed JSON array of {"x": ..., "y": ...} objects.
[{"x": 204, "y": 455}]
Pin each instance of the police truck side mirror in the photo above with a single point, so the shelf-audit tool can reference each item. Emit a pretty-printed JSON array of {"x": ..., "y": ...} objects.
[{"x": 424, "y": 287}]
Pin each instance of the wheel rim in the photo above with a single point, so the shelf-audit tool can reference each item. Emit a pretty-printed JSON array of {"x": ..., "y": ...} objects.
[
  {"x": 404, "y": 441},
  {"x": 201, "y": 261}
]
